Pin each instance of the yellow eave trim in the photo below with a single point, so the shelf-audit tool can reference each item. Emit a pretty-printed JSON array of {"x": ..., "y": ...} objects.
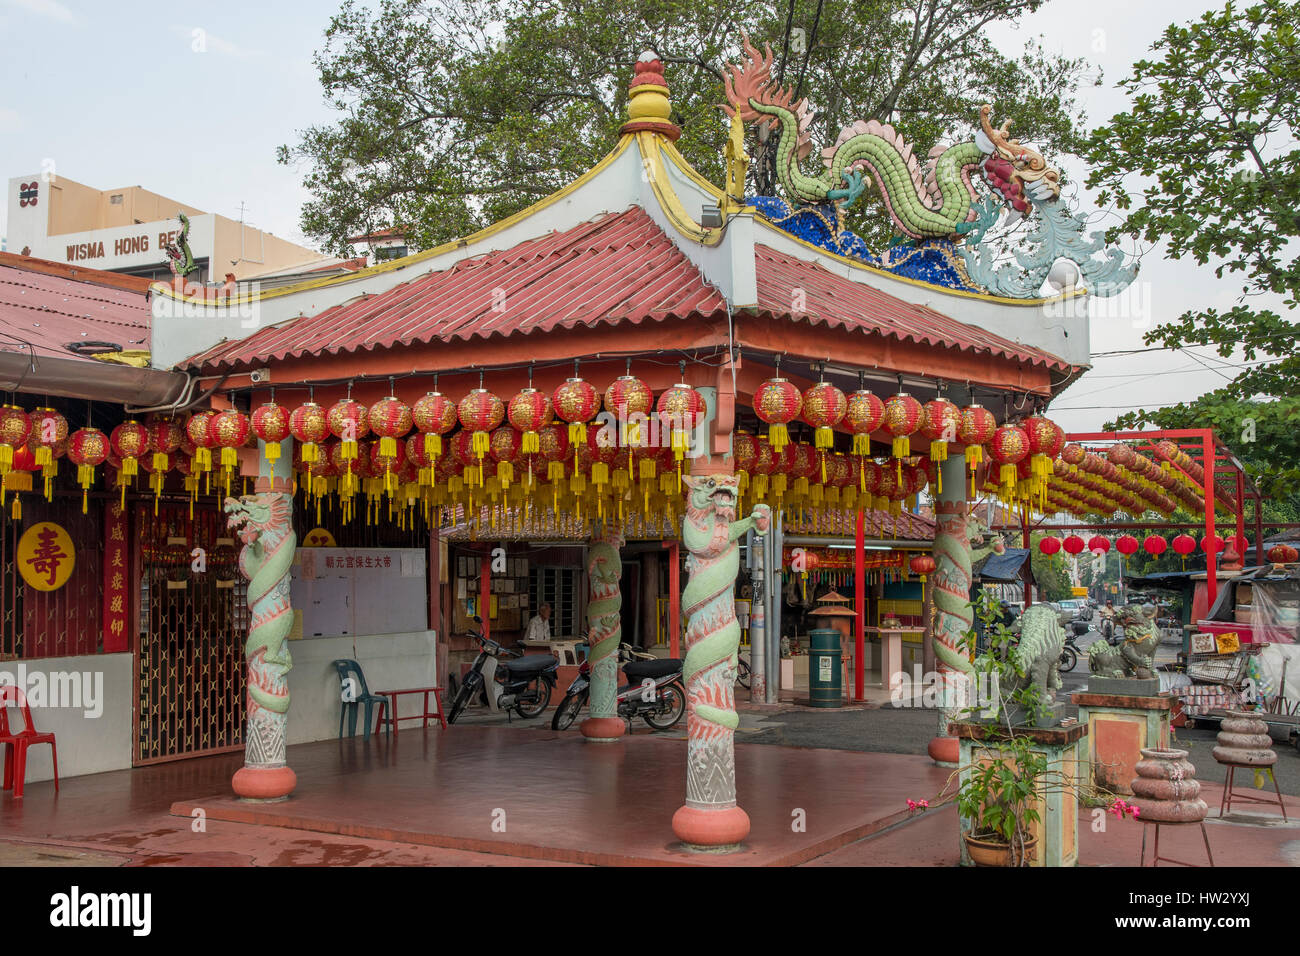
[
  {"x": 405, "y": 263},
  {"x": 650, "y": 145}
]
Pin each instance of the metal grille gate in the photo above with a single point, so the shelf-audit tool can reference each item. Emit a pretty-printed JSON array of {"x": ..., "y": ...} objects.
[{"x": 190, "y": 647}]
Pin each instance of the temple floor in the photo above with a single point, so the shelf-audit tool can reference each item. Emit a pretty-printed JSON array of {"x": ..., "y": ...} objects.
[{"x": 492, "y": 795}]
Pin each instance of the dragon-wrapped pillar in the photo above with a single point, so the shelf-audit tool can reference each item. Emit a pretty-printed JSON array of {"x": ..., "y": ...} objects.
[
  {"x": 264, "y": 523},
  {"x": 952, "y": 618},
  {"x": 605, "y": 631},
  {"x": 711, "y": 818}
]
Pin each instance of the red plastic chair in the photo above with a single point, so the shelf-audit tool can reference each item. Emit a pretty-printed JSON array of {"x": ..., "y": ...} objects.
[{"x": 16, "y": 744}]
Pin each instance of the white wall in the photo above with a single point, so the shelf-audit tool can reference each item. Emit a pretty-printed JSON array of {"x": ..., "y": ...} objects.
[
  {"x": 87, "y": 744},
  {"x": 389, "y": 662},
  {"x": 97, "y": 744}
]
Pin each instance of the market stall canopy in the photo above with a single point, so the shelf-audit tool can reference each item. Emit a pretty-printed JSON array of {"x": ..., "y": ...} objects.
[{"x": 1001, "y": 568}]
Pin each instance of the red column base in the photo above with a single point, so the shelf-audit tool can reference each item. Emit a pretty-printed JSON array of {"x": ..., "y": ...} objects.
[
  {"x": 264, "y": 783},
  {"x": 603, "y": 729},
  {"x": 945, "y": 750},
  {"x": 717, "y": 830}
]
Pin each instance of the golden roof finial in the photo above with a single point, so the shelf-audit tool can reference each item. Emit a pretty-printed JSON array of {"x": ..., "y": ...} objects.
[{"x": 649, "y": 108}]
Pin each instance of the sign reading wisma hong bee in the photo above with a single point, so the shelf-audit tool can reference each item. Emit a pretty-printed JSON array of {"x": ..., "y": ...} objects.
[{"x": 46, "y": 556}]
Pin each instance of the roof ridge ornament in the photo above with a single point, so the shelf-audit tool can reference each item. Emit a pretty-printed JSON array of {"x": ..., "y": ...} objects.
[
  {"x": 649, "y": 109},
  {"x": 945, "y": 206}
]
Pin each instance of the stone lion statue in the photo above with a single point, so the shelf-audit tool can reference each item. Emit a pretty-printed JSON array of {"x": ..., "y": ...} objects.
[{"x": 1135, "y": 656}]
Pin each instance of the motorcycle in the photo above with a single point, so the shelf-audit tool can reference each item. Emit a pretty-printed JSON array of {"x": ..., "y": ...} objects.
[
  {"x": 1069, "y": 652},
  {"x": 505, "y": 679},
  {"x": 654, "y": 691}
]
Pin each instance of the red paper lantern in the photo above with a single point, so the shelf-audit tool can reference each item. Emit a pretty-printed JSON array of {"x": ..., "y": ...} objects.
[
  {"x": 480, "y": 412},
  {"x": 1009, "y": 447},
  {"x": 434, "y": 415},
  {"x": 777, "y": 403},
  {"x": 349, "y": 421},
  {"x": 130, "y": 440},
  {"x": 390, "y": 419},
  {"x": 1098, "y": 543},
  {"x": 1126, "y": 545},
  {"x": 15, "y": 428},
  {"x": 744, "y": 450},
  {"x": 922, "y": 565},
  {"x": 824, "y": 407},
  {"x": 310, "y": 426},
  {"x": 1073, "y": 544},
  {"x": 902, "y": 419},
  {"x": 528, "y": 411},
  {"x": 940, "y": 422},
  {"x": 1154, "y": 545},
  {"x": 1049, "y": 545},
  {"x": 1212, "y": 544},
  {"x": 505, "y": 448},
  {"x": 680, "y": 408},
  {"x": 975, "y": 430},
  {"x": 863, "y": 415},
  {"x": 270, "y": 423},
  {"x": 1184, "y": 544},
  {"x": 227, "y": 430},
  {"x": 576, "y": 402}
]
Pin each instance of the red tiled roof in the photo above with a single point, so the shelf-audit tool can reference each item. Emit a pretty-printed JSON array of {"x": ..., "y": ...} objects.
[
  {"x": 842, "y": 303},
  {"x": 615, "y": 269},
  {"x": 619, "y": 268},
  {"x": 44, "y": 308}
]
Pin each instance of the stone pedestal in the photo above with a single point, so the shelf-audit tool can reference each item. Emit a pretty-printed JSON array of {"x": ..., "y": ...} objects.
[
  {"x": 1119, "y": 728},
  {"x": 1057, "y": 830},
  {"x": 1124, "y": 686}
]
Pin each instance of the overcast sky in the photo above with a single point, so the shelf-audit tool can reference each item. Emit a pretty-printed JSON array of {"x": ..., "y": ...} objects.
[{"x": 191, "y": 100}]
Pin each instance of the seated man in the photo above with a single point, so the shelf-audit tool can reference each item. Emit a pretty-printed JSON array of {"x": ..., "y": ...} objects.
[{"x": 539, "y": 628}]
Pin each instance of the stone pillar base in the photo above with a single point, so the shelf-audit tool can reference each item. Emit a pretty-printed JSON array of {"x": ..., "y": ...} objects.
[
  {"x": 711, "y": 831},
  {"x": 264, "y": 783},
  {"x": 603, "y": 730}
]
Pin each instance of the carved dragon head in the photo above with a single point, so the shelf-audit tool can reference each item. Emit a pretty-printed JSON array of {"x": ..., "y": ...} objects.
[
  {"x": 751, "y": 79},
  {"x": 1018, "y": 172},
  {"x": 713, "y": 493},
  {"x": 250, "y": 516}
]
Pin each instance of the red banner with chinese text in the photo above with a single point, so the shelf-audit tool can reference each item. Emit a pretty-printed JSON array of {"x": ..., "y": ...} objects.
[{"x": 116, "y": 577}]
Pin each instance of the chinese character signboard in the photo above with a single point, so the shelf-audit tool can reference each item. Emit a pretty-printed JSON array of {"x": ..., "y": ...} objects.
[
  {"x": 45, "y": 556},
  {"x": 116, "y": 593}
]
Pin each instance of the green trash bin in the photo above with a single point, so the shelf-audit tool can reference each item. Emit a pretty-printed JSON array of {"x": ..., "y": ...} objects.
[{"x": 824, "y": 688}]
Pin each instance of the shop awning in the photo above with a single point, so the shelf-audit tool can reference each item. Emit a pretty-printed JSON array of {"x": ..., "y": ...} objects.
[{"x": 1001, "y": 568}]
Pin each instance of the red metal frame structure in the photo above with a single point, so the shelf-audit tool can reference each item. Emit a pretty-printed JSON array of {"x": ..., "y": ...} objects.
[{"x": 1215, "y": 459}]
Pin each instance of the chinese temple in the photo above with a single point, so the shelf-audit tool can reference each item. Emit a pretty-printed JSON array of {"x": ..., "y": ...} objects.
[{"x": 645, "y": 360}]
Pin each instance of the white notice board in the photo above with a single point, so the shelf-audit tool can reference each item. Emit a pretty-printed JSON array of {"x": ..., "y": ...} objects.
[{"x": 341, "y": 592}]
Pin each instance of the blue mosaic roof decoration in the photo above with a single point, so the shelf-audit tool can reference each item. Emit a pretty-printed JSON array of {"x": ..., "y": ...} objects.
[{"x": 936, "y": 261}]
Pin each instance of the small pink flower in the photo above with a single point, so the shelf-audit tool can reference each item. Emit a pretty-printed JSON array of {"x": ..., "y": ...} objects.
[
  {"x": 925, "y": 804},
  {"x": 1135, "y": 812}
]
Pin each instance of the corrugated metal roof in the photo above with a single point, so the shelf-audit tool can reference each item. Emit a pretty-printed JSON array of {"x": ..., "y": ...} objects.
[
  {"x": 618, "y": 268},
  {"x": 47, "y": 312},
  {"x": 842, "y": 303}
]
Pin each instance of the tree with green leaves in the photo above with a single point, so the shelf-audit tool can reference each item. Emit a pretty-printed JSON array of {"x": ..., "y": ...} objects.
[
  {"x": 454, "y": 114},
  {"x": 1207, "y": 162},
  {"x": 1049, "y": 572}
]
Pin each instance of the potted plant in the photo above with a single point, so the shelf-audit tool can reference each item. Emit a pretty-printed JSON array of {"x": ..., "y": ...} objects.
[
  {"x": 998, "y": 793},
  {"x": 997, "y": 797}
]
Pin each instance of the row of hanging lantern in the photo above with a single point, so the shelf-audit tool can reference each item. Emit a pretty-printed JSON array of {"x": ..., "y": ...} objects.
[
  {"x": 1155, "y": 545},
  {"x": 1083, "y": 481},
  {"x": 1024, "y": 451}
]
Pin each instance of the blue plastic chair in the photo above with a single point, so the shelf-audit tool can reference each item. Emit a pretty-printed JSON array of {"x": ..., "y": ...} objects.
[{"x": 350, "y": 677}]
